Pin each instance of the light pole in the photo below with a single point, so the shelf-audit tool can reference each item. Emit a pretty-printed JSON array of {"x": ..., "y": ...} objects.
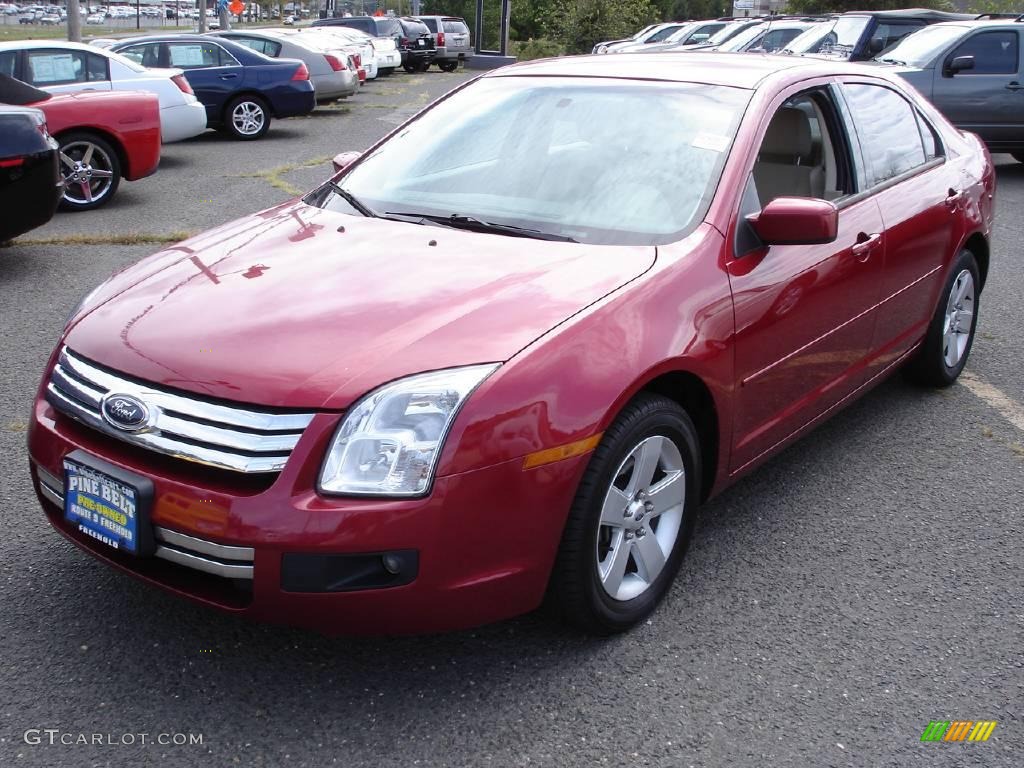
[{"x": 74, "y": 22}]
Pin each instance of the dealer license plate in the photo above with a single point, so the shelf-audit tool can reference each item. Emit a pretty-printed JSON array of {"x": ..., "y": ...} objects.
[{"x": 102, "y": 507}]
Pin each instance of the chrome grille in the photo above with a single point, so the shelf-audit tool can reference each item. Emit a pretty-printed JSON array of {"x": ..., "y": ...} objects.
[
  {"x": 199, "y": 554},
  {"x": 186, "y": 427}
]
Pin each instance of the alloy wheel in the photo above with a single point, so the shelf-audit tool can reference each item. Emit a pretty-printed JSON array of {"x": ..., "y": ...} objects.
[
  {"x": 640, "y": 518},
  {"x": 88, "y": 172},
  {"x": 959, "y": 320},
  {"x": 248, "y": 118}
]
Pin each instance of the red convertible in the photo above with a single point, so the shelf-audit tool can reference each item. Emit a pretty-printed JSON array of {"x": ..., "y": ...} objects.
[
  {"x": 503, "y": 355},
  {"x": 104, "y": 136}
]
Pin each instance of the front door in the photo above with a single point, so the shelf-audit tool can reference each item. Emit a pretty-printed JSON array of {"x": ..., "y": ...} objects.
[
  {"x": 988, "y": 99},
  {"x": 804, "y": 313}
]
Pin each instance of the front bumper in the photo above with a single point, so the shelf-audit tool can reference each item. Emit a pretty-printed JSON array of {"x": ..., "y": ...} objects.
[{"x": 484, "y": 540}]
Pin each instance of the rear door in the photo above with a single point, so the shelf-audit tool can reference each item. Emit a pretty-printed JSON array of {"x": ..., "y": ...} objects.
[
  {"x": 66, "y": 70},
  {"x": 989, "y": 99},
  {"x": 213, "y": 73},
  {"x": 919, "y": 194}
]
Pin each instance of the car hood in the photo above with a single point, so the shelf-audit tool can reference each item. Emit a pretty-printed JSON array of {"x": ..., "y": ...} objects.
[
  {"x": 302, "y": 307},
  {"x": 921, "y": 79}
]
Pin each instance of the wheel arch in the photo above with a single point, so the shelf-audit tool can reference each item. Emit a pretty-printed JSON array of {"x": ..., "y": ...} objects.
[
  {"x": 250, "y": 93},
  {"x": 978, "y": 245},
  {"x": 693, "y": 394}
]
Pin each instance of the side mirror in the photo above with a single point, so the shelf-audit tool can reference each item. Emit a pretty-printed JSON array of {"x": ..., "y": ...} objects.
[
  {"x": 959, "y": 64},
  {"x": 796, "y": 221},
  {"x": 343, "y": 160}
]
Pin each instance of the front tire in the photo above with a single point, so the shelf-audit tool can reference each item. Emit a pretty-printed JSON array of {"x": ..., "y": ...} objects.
[
  {"x": 947, "y": 344},
  {"x": 91, "y": 170},
  {"x": 246, "y": 118},
  {"x": 631, "y": 520}
]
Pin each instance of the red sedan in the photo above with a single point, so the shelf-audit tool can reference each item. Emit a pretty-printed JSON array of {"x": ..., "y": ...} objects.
[
  {"x": 104, "y": 136},
  {"x": 504, "y": 354}
]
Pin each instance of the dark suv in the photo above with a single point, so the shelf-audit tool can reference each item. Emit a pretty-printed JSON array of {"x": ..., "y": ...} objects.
[
  {"x": 30, "y": 181},
  {"x": 412, "y": 37},
  {"x": 862, "y": 35}
]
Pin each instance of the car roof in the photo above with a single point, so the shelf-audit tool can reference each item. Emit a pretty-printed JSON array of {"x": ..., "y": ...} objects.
[
  {"x": 23, "y": 44},
  {"x": 741, "y": 70},
  {"x": 982, "y": 23},
  {"x": 914, "y": 13}
]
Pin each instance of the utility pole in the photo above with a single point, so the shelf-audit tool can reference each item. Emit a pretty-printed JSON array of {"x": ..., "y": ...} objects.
[
  {"x": 202, "y": 16},
  {"x": 74, "y": 22}
]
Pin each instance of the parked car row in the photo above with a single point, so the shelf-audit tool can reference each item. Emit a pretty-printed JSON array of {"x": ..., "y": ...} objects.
[
  {"x": 110, "y": 104},
  {"x": 969, "y": 66}
]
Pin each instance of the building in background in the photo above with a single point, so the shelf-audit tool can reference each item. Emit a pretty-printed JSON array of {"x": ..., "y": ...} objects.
[{"x": 757, "y": 7}]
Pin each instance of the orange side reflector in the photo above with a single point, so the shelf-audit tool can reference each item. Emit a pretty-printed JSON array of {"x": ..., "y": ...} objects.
[{"x": 567, "y": 451}]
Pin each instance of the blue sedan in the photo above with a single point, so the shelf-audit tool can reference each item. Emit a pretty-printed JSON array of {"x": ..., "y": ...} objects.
[{"x": 240, "y": 88}]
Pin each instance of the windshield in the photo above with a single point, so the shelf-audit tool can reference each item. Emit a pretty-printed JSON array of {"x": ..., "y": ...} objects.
[
  {"x": 596, "y": 160},
  {"x": 920, "y": 48},
  {"x": 840, "y": 40},
  {"x": 725, "y": 33},
  {"x": 681, "y": 33},
  {"x": 744, "y": 37}
]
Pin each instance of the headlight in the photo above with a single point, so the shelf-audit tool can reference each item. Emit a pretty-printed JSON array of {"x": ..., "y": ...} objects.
[
  {"x": 81, "y": 305},
  {"x": 389, "y": 442}
]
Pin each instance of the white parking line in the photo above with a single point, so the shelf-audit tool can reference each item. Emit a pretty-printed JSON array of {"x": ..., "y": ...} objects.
[{"x": 1009, "y": 409}]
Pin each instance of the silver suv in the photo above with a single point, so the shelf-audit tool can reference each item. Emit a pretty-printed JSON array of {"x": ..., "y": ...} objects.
[{"x": 451, "y": 40}]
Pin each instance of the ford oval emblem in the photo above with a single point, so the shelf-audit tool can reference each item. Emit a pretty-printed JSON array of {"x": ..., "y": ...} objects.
[{"x": 125, "y": 412}]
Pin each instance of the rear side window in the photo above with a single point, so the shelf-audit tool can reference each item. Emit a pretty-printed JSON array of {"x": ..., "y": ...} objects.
[
  {"x": 431, "y": 24},
  {"x": 388, "y": 28},
  {"x": 198, "y": 55},
  {"x": 147, "y": 55},
  {"x": 7, "y": 61},
  {"x": 662, "y": 34},
  {"x": 266, "y": 47},
  {"x": 889, "y": 33},
  {"x": 888, "y": 130},
  {"x": 56, "y": 67},
  {"x": 995, "y": 53}
]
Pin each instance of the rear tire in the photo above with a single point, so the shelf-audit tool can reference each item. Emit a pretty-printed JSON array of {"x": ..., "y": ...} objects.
[
  {"x": 448, "y": 66},
  {"x": 947, "y": 344},
  {"x": 631, "y": 520},
  {"x": 410, "y": 68},
  {"x": 246, "y": 118},
  {"x": 91, "y": 170}
]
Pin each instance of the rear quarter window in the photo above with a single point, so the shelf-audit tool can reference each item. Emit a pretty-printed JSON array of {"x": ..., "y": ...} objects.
[
  {"x": 431, "y": 24},
  {"x": 455, "y": 26}
]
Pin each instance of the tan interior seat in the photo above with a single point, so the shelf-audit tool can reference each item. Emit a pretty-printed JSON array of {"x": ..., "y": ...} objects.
[{"x": 783, "y": 167}]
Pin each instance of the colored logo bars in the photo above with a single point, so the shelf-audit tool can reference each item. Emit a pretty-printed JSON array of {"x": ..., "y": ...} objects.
[{"x": 958, "y": 730}]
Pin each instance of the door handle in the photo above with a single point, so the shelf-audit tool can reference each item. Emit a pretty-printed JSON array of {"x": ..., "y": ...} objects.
[
  {"x": 1014, "y": 86},
  {"x": 228, "y": 77},
  {"x": 865, "y": 245},
  {"x": 953, "y": 198}
]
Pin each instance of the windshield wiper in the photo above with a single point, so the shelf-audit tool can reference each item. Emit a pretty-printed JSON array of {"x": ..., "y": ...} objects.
[
  {"x": 458, "y": 221},
  {"x": 351, "y": 199},
  {"x": 893, "y": 61}
]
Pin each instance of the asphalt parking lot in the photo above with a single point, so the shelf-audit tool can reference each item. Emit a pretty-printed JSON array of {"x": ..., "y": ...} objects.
[{"x": 865, "y": 582}]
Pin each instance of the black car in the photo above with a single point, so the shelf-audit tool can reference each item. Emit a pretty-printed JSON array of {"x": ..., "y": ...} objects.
[
  {"x": 31, "y": 184},
  {"x": 862, "y": 35},
  {"x": 411, "y": 36}
]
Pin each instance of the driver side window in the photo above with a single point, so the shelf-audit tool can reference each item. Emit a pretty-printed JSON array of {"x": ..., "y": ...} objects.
[{"x": 804, "y": 153}]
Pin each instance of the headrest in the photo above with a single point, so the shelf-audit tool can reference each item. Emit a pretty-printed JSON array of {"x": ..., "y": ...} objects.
[{"x": 789, "y": 134}]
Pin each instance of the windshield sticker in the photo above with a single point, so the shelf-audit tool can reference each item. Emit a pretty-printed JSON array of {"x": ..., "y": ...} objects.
[{"x": 713, "y": 141}]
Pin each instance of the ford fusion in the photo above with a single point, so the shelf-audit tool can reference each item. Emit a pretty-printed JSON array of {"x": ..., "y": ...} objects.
[{"x": 500, "y": 357}]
